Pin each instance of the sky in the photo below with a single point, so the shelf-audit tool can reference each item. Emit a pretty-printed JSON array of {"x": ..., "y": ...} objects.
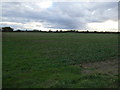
[{"x": 96, "y": 16}]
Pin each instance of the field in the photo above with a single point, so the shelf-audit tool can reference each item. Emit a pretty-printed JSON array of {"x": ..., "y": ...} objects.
[{"x": 56, "y": 60}]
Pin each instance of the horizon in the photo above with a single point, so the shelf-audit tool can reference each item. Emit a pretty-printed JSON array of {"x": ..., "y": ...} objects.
[{"x": 59, "y": 30}]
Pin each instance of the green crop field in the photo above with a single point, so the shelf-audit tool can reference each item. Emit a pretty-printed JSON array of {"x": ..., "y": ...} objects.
[{"x": 51, "y": 60}]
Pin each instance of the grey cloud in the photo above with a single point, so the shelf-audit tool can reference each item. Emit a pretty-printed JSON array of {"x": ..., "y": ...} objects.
[{"x": 63, "y": 15}]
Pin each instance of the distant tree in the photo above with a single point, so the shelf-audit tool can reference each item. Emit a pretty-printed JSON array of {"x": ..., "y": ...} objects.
[
  {"x": 61, "y": 31},
  {"x": 18, "y": 30},
  {"x": 50, "y": 31},
  {"x": 71, "y": 30},
  {"x": 56, "y": 30},
  {"x": 87, "y": 31},
  {"x": 7, "y": 29},
  {"x": 35, "y": 30},
  {"x": 76, "y": 30}
]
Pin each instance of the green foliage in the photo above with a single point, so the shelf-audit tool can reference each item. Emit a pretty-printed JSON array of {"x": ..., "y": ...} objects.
[{"x": 7, "y": 29}]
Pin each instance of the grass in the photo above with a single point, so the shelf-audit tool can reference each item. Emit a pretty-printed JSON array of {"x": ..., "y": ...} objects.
[{"x": 47, "y": 60}]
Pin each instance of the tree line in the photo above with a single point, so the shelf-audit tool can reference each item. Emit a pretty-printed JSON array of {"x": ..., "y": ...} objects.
[{"x": 9, "y": 29}]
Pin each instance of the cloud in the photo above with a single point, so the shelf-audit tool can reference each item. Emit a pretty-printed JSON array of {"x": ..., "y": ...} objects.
[
  {"x": 59, "y": 15},
  {"x": 29, "y": 25},
  {"x": 104, "y": 26}
]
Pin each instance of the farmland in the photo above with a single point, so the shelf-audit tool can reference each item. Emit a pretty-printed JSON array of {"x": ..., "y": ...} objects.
[{"x": 54, "y": 60}]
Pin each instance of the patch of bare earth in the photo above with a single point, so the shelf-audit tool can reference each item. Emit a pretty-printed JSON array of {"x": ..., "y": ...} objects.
[{"x": 104, "y": 67}]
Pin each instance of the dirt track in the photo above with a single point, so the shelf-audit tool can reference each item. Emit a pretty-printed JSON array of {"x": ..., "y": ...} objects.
[{"x": 104, "y": 67}]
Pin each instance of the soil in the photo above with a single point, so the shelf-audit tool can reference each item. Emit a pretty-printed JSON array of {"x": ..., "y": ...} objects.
[{"x": 104, "y": 67}]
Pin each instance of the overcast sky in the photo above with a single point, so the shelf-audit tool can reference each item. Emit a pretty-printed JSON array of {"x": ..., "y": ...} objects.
[{"x": 61, "y": 15}]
